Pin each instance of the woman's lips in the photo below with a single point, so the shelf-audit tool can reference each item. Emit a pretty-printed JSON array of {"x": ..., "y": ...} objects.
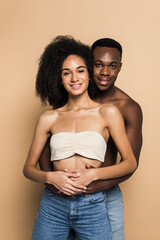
[{"x": 76, "y": 86}]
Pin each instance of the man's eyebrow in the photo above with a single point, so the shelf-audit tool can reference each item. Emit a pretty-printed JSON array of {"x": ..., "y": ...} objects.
[
  {"x": 98, "y": 61},
  {"x": 114, "y": 62}
]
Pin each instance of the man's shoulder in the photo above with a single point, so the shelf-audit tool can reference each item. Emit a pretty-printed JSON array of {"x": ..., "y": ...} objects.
[
  {"x": 130, "y": 109},
  {"x": 125, "y": 101}
]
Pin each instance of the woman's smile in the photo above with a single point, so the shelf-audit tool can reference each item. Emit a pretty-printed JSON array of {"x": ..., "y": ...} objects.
[
  {"x": 76, "y": 86},
  {"x": 75, "y": 75}
]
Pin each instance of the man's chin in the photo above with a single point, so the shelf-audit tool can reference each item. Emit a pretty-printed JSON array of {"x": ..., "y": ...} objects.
[{"x": 103, "y": 87}]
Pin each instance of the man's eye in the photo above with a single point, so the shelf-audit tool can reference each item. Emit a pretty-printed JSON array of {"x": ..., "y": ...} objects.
[
  {"x": 113, "y": 66},
  {"x": 98, "y": 65}
]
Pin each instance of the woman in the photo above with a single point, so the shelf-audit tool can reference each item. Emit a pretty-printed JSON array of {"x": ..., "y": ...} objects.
[{"x": 79, "y": 130}]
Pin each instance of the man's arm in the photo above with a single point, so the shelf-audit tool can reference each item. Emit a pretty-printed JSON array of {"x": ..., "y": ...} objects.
[{"x": 133, "y": 120}]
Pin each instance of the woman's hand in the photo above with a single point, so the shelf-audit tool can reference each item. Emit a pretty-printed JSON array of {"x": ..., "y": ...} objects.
[
  {"x": 86, "y": 177},
  {"x": 64, "y": 182}
]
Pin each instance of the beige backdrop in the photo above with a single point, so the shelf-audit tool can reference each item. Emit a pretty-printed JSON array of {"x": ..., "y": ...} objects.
[{"x": 25, "y": 28}]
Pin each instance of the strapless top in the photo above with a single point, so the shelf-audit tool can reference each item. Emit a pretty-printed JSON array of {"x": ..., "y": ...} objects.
[{"x": 89, "y": 144}]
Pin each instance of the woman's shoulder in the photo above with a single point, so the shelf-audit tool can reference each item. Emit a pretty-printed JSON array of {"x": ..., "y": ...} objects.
[
  {"x": 46, "y": 120},
  {"x": 110, "y": 114},
  {"x": 49, "y": 115},
  {"x": 109, "y": 108}
]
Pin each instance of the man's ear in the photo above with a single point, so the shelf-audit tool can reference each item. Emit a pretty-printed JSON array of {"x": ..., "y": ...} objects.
[{"x": 120, "y": 67}]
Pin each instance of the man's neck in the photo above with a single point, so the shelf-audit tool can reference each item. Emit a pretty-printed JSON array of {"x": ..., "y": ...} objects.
[{"x": 109, "y": 94}]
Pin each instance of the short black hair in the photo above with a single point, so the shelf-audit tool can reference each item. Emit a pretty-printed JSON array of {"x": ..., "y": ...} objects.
[
  {"x": 107, "y": 42},
  {"x": 49, "y": 85}
]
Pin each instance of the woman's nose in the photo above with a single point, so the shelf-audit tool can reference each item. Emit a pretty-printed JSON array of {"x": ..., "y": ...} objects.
[{"x": 74, "y": 77}]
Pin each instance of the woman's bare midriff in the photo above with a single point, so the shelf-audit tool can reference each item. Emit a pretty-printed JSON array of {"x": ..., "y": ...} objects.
[{"x": 75, "y": 162}]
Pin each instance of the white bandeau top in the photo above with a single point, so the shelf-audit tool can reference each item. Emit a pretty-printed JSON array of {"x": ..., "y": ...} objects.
[{"x": 89, "y": 144}]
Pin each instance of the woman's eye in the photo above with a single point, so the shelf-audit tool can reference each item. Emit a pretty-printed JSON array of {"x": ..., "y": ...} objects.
[
  {"x": 81, "y": 71},
  {"x": 65, "y": 73}
]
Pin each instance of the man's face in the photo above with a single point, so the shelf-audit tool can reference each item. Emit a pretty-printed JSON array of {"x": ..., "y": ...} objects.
[{"x": 107, "y": 64}]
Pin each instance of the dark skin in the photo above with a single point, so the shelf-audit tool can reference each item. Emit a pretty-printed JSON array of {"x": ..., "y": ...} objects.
[{"x": 107, "y": 65}]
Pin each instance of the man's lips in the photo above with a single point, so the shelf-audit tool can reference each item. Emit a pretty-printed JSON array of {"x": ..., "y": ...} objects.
[{"x": 104, "y": 81}]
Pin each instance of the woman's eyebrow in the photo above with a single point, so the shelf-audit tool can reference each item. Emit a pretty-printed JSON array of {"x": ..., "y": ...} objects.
[
  {"x": 67, "y": 69},
  {"x": 81, "y": 67}
]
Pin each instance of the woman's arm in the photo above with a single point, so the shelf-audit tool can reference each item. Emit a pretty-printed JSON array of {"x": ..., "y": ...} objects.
[
  {"x": 116, "y": 128},
  {"x": 39, "y": 139},
  {"x": 61, "y": 180},
  {"x": 133, "y": 126}
]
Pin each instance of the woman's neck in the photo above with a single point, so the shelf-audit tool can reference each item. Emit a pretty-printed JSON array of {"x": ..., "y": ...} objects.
[{"x": 79, "y": 102}]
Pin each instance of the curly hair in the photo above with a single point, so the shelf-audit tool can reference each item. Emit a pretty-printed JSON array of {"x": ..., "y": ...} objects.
[{"x": 49, "y": 85}]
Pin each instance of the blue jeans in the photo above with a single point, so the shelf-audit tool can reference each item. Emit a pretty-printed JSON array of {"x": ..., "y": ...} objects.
[
  {"x": 85, "y": 214},
  {"x": 114, "y": 204}
]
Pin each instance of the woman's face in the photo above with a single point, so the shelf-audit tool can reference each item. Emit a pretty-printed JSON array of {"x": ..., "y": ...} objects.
[{"x": 75, "y": 76}]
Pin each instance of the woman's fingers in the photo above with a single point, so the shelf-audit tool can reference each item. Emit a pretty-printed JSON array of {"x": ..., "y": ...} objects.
[
  {"x": 76, "y": 185},
  {"x": 65, "y": 182},
  {"x": 70, "y": 191},
  {"x": 71, "y": 171},
  {"x": 72, "y": 188},
  {"x": 72, "y": 174}
]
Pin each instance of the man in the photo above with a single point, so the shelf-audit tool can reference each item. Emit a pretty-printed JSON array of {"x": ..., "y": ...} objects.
[{"x": 107, "y": 65}]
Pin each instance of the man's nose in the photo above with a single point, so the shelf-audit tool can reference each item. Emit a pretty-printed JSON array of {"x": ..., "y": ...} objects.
[{"x": 105, "y": 71}]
